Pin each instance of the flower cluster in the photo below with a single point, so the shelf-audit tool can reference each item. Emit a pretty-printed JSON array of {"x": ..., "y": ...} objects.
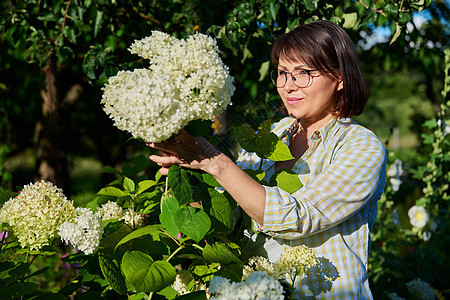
[
  {"x": 258, "y": 285},
  {"x": 259, "y": 263},
  {"x": 186, "y": 81},
  {"x": 36, "y": 214},
  {"x": 182, "y": 281},
  {"x": 296, "y": 261},
  {"x": 420, "y": 289},
  {"x": 111, "y": 210},
  {"x": 85, "y": 232}
]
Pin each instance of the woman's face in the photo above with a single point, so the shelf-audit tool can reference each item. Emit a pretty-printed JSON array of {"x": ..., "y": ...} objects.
[{"x": 313, "y": 104}]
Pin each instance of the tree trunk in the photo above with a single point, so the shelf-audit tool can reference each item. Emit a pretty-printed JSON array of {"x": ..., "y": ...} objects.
[{"x": 51, "y": 158}]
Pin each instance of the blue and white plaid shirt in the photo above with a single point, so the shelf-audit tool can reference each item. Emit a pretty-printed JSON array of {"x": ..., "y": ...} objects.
[{"x": 343, "y": 175}]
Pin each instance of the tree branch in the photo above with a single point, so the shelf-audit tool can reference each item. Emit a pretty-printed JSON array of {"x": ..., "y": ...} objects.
[{"x": 63, "y": 23}]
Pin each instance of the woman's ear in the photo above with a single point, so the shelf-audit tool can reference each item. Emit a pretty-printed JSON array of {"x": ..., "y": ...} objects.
[{"x": 340, "y": 85}]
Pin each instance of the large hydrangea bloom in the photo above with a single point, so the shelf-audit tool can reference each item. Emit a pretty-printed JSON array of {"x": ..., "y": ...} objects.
[
  {"x": 85, "y": 232},
  {"x": 186, "y": 81},
  {"x": 36, "y": 214}
]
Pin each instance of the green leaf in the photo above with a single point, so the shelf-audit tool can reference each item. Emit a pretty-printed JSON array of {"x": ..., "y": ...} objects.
[
  {"x": 398, "y": 30},
  {"x": 6, "y": 194},
  {"x": 350, "y": 20},
  {"x": 220, "y": 210},
  {"x": 111, "y": 191},
  {"x": 111, "y": 226},
  {"x": 219, "y": 253},
  {"x": 310, "y": 5},
  {"x": 111, "y": 170},
  {"x": 153, "y": 230},
  {"x": 146, "y": 275},
  {"x": 287, "y": 180},
  {"x": 281, "y": 152},
  {"x": 198, "y": 295},
  {"x": 247, "y": 138},
  {"x": 145, "y": 185},
  {"x": 198, "y": 127},
  {"x": 180, "y": 185},
  {"x": 169, "y": 207},
  {"x": 258, "y": 175},
  {"x": 192, "y": 222},
  {"x": 111, "y": 271},
  {"x": 128, "y": 184},
  {"x": 264, "y": 70},
  {"x": 224, "y": 38},
  {"x": 210, "y": 180},
  {"x": 98, "y": 21}
]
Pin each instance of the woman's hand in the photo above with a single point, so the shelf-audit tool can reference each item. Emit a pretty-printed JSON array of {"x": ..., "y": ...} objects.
[{"x": 184, "y": 150}]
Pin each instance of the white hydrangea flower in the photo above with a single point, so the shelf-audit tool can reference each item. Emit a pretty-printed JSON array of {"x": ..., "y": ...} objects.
[
  {"x": 85, "y": 232},
  {"x": 296, "y": 261},
  {"x": 111, "y": 210},
  {"x": 418, "y": 216},
  {"x": 186, "y": 81},
  {"x": 259, "y": 263},
  {"x": 183, "y": 278},
  {"x": 218, "y": 284},
  {"x": 36, "y": 214},
  {"x": 257, "y": 286},
  {"x": 420, "y": 289}
]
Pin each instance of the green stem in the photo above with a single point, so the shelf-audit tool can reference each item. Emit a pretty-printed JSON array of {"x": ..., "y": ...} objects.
[
  {"x": 197, "y": 246},
  {"x": 167, "y": 186},
  {"x": 150, "y": 296},
  {"x": 173, "y": 253}
]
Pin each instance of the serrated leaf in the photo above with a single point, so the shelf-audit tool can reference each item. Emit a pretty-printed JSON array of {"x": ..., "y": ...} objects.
[
  {"x": 210, "y": 180},
  {"x": 180, "y": 185},
  {"x": 145, "y": 185},
  {"x": 281, "y": 152},
  {"x": 192, "y": 222},
  {"x": 111, "y": 191},
  {"x": 287, "y": 180},
  {"x": 219, "y": 253},
  {"x": 153, "y": 230},
  {"x": 146, "y": 275},
  {"x": 128, "y": 184},
  {"x": 111, "y": 271},
  {"x": 169, "y": 207}
]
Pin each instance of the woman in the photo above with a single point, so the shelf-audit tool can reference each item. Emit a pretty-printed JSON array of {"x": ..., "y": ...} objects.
[{"x": 340, "y": 163}]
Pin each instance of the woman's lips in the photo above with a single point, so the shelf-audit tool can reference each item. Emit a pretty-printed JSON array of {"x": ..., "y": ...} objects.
[{"x": 293, "y": 100}]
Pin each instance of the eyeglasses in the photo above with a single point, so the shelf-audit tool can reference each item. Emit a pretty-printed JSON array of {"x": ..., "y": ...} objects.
[{"x": 300, "y": 78}]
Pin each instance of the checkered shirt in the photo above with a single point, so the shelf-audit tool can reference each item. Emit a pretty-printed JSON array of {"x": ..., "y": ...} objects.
[{"x": 343, "y": 175}]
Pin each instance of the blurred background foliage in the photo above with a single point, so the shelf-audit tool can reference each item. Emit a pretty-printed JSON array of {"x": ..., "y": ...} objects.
[{"x": 55, "y": 55}]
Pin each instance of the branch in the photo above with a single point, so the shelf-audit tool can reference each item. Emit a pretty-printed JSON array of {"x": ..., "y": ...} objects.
[
  {"x": 372, "y": 9},
  {"x": 63, "y": 23}
]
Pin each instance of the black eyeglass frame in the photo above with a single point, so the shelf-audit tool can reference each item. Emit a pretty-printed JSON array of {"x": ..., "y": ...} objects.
[{"x": 292, "y": 77}]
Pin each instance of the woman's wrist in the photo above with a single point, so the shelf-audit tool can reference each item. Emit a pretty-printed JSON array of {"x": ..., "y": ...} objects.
[{"x": 217, "y": 164}]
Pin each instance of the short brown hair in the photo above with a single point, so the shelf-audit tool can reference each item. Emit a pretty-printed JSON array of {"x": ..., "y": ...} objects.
[{"x": 324, "y": 45}]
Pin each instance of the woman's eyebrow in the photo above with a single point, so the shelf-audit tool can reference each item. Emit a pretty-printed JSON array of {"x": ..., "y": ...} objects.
[{"x": 296, "y": 67}]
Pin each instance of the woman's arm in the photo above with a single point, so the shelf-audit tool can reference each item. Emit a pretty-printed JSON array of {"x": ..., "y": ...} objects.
[{"x": 197, "y": 153}]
